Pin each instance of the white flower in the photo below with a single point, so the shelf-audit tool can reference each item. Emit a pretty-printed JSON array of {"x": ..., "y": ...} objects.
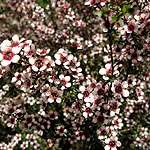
[{"x": 8, "y": 57}]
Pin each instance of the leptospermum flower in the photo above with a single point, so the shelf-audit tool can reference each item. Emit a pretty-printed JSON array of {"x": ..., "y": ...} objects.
[
  {"x": 86, "y": 94},
  {"x": 114, "y": 107},
  {"x": 55, "y": 95},
  {"x": 130, "y": 27},
  {"x": 29, "y": 49},
  {"x": 10, "y": 51},
  {"x": 64, "y": 81},
  {"x": 117, "y": 123},
  {"x": 50, "y": 64},
  {"x": 102, "y": 133},
  {"x": 99, "y": 91},
  {"x": 72, "y": 64},
  {"x": 61, "y": 130},
  {"x": 88, "y": 110},
  {"x": 112, "y": 143},
  {"x": 120, "y": 88},
  {"x": 17, "y": 78},
  {"x": 100, "y": 119},
  {"x": 107, "y": 71},
  {"x": 62, "y": 56},
  {"x": 39, "y": 64}
]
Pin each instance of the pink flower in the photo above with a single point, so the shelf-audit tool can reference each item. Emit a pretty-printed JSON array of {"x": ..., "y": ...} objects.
[
  {"x": 10, "y": 49},
  {"x": 120, "y": 88},
  {"x": 38, "y": 64},
  {"x": 112, "y": 143}
]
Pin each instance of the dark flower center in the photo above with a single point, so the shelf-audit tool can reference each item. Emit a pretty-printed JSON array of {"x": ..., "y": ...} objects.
[
  {"x": 11, "y": 110},
  {"x": 118, "y": 89},
  {"x": 134, "y": 55},
  {"x": 100, "y": 92},
  {"x": 54, "y": 94},
  {"x": 8, "y": 55},
  {"x": 72, "y": 64},
  {"x": 61, "y": 130},
  {"x": 19, "y": 77},
  {"x": 112, "y": 144},
  {"x": 63, "y": 59},
  {"x": 113, "y": 106},
  {"x": 52, "y": 116},
  {"x": 31, "y": 52},
  {"x": 100, "y": 119},
  {"x": 88, "y": 110},
  {"x": 80, "y": 133},
  {"x": 29, "y": 119},
  {"x": 131, "y": 27},
  {"x": 63, "y": 82},
  {"x": 118, "y": 49},
  {"x": 86, "y": 93},
  {"x": 93, "y": 85},
  {"x": 12, "y": 120},
  {"x": 130, "y": 81},
  {"x": 39, "y": 63},
  {"x": 103, "y": 132}
]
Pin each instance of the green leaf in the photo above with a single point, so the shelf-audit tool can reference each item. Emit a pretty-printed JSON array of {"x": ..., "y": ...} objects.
[
  {"x": 105, "y": 11},
  {"x": 98, "y": 13},
  {"x": 42, "y": 3},
  {"x": 124, "y": 9},
  {"x": 121, "y": 22},
  {"x": 114, "y": 19}
]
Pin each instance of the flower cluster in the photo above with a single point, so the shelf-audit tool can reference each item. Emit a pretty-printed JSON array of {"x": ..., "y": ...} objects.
[{"x": 79, "y": 78}]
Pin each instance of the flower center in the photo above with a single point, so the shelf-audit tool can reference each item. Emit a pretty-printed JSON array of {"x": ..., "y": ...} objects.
[
  {"x": 72, "y": 64},
  {"x": 100, "y": 92},
  {"x": 113, "y": 106},
  {"x": 88, "y": 110},
  {"x": 112, "y": 144},
  {"x": 134, "y": 55},
  {"x": 8, "y": 55},
  {"x": 103, "y": 132},
  {"x": 54, "y": 94},
  {"x": 100, "y": 119},
  {"x": 131, "y": 27},
  {"x": 86, "y": 93},
  {"x": 93, "y": 85},
  {"x": 118, "y": 89},
  {"x": 63, "y": 59},
  {"x": 39, "y": 63},
  {"x": 63, "y": 82}
]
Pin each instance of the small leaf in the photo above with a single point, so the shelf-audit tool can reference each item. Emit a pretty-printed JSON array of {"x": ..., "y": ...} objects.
[
  {"x": 105, "y": 11},
  {"x": 98, "y": 13},
  {"x": 121, "y": 22},
  {"x": 114, "y": 19},
  {"x": 124, "y": 9}
]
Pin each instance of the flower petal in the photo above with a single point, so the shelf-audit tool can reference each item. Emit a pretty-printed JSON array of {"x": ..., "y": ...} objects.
[
  {"x": 5, "y": 63},
  {"x": 125, "y": 93},
  {"x": 1, "y": 57},
  {"x": 15, "y": 59},
  {"x": 15, "y": 38},
  {"x": 34, "y": 68},
  {"x": 102, "y": 71},
  {"x": 16, "y": 49},
  {"x": 31, "y": 60},
  {"x": 125, "y": 84}
]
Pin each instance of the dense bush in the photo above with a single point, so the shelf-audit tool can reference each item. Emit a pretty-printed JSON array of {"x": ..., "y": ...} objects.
[{"x": 74, "y": 74}]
